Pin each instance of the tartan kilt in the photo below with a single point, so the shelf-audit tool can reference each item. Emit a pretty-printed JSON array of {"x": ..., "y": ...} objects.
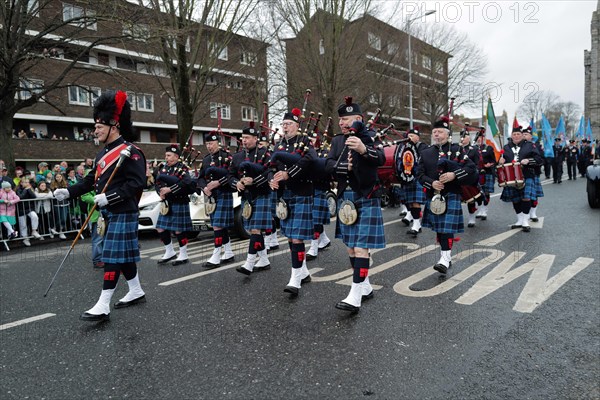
[
  {"x": 320, "y": 211},
  {"x": 413, "y": 192},
  {"x": 273, "y": 198},
  {"x": 449, "y": 222},
  {"x": 367, "y": 232},
  {"x": 490, "y": 182},
  {"x": 223, "y": 215},
  {"x": 299, "y": 223},
  {"x": 398, "y": 193},
  {"x": 261, "y": 217},
  {"x": 121, "y": 238},
  {"x": 539, "y": 192},
  {"x": 178, "y": 219},
  {"x": 511, "y": 194}
]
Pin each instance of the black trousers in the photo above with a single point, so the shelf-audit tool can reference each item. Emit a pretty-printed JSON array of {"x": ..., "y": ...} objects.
[
  {"x": 557, "y": 171},
  {"x": 572, "y": 169}
]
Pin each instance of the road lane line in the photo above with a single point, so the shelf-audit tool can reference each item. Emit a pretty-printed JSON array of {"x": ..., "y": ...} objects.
[{"x": 26, "y": 321}]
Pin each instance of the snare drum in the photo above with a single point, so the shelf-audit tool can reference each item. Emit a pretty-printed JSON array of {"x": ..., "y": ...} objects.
[
  {"x": 469, "y": 194},
  {"x": 511, "y": 175}
]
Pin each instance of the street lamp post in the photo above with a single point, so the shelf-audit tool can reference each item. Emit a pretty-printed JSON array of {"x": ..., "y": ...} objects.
[{"x": 410, "y": 95}]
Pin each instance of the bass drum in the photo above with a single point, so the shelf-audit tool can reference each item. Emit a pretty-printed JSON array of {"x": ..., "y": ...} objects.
[{"x": 387, "y": 172}]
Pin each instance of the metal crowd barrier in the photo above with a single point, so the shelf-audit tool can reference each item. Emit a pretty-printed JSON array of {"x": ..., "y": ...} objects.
[{"x": 53, "y": 219}]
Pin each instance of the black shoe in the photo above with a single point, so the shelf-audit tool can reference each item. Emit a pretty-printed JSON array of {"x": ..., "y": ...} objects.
[
  {"x": 515, "y": 226},
  {"x": 441, "y": 268},
  {"x": 264, "y": 268},
  {"x": 402, "y": 214},
  {"x": 483, "y": 217},
  {"x": 477, "y": 216},
  {"x": 227, "y": 260},
  {"x": 526, "y": 229},
  {"x": 406, "y": 222},
  {"x": 93, "y": 317},
  {"x": 574, "y": 179},
  {"x": 310, "y": 257},
  {"x": 272, "y": 248},
  {"x": 293, "y": 291},
  {"x": 569, "y": 179},
  {"x": 368, "y": 296},
  {"x": 534, "y": 219},
  {"x": 306, "y": 280},
  {"x": 555, "y": 182},
  {"x": 559, "y": 181},
  {"x": 166, "y": 260},
  {"x": 242, "y": 270},
  {"x": 347, "y": 307},
  {"x": 179, "y": 262},
  {"x": 326, "y": 246},
  {"x": 413, "y": 232},
  {"x": 123, "y": 304},
  {"x": 470, "y": 225},
  {"x": 210, "y": 265}
]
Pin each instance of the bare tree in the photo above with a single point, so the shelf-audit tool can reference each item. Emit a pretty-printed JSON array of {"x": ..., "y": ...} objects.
[
  {"x": 193, "y": 36},
  {"x": 36, "y": 33},
  {"x": 570, "y": 111},
  {"x": 537, "y": 103}
]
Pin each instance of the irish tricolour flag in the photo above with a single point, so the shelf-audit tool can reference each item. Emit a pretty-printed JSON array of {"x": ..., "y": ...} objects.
[{"x": 491, "y": 129}]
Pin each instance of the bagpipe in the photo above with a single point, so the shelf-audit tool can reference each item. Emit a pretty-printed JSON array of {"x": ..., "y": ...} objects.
[
  {"x": 302, "y": 146},
  {"x": 469, "y": 192}
]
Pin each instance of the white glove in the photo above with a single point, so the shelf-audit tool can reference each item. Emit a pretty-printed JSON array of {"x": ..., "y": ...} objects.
[
  {"x": 101, "y": 200},
  {"x": 61, "y": 194}
]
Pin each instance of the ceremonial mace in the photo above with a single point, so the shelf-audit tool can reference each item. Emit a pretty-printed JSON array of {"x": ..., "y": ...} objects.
[{"x": 125, "y": 153}]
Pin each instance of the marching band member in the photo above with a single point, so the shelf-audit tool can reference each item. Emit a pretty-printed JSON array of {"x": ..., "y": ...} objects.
[
  {"x": 212, "y": 182},
  {"x": 443, "y": 169},
  {"x": 320, "y": 211},
  {"x": 174, "y": 185},
  {"x": 522, "y": 151},
  {"x": 412, "y": 191},
  {"x": 539, "y": 191},
  {"x": 271, "y": 241},
  {"x": 118, "y": 203},
  {"x": 473, "y": 153},
  {"x": 572, "y": 156},
  {"x": 487, "y": 177},
  {"x": 297, "y": 189},
  {"x": 249, "y": 175},
  {"x": 353, "y": 160}
]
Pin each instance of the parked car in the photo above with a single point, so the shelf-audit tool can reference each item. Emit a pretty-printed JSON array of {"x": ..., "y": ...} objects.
[{"x": 593, "y": 184}]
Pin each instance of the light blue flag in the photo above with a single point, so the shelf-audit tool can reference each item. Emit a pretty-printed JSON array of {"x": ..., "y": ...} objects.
[
  {"x": 588, "y": 130},
  {"x": 534, "y": 134},
  {"x": 581, "y": 129},
  {"x": 560, "y": 131},
  {"x": 547, "y": 137}
]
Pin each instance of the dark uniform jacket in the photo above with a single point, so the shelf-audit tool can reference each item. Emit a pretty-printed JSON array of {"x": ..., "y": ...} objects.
[
  {"x": 363, "y": 177},
  {"x": 430, "y": 169},
  {"x": 559, "y": 154},
  {"x": 572, "y": 154},
  {"x": 260, "y": 183},
  {"x": 300, "y": 180},
  {"x": 321, "y": 179},
  {"x": 127, "y": 185},
  {"x": 487, "y": 156},
  {"x": 220, "y": 161},
  {"x": 525, "y": 150},
  {"x": 178, "y": 179}
]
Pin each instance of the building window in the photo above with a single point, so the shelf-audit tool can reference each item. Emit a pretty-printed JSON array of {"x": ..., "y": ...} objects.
[
  {"x": 439, "y": 68},
  {"x": 374, "y": 41},
  {"x": 393, "y": 49},
  {"x": 33, "y": 8},
  {"x": 95, "y": 92},
  {"x": 374, "y": 98},
  {"x": 415, "y": 58},
  {"x": 79, "y": 96},
  {"x": 125, "y": 63},
  {"x": 249, "y": 114},
  {"x": 248, "y": 58},
  {"x": 225, "y": 110},
  {"x": 223, "y": 55},
  {"x": 321, "y": 47},
  {"x": 211, "y": 80},
  {"x": 426, "y": 62},
  {"x": 137, "y": 32},
  {"x": 71, "y": 12},
  {"x": 188, "y": 47},
  {"x": 145, "y": 102},
  {"x": 427, "y": 108},
  {"x": 27, "y": 87},
  {"x": 103, "y": 59},
  {"x": 131, "y": 98},
  {"x": 238, "y": 85},
  {"x": 172, "y": 107}
]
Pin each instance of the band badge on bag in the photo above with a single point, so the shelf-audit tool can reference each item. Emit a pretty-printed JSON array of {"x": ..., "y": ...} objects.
[
  {"x": 247, "y": 210},
  {"x": 347, "y": 212},
  {"x": 164, "y": 208},
  {"x": 282, "y": 210},
  {"x": 438, "y": 204},
  {"x": 101, "y": 226},
  {"x": 210, "y": 205}
]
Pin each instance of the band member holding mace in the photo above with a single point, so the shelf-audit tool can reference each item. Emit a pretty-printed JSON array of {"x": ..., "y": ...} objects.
[
  {"x": 353, "y": 160},
  {"x": 292, "y": 159},
  {"x": 213, "y": 182},
  {"x": 487, "y": 172},
  {"x": 444, "y": 168},
  {"x": 174, "y": 185},
  {"x": 249, "y": 175},
  {"x": 118, "y": 202}
]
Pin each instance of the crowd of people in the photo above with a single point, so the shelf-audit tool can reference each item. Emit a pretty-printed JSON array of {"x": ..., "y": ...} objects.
[
  {"x": 28, "y": 208},
  {"x": 85, "y": 135}
]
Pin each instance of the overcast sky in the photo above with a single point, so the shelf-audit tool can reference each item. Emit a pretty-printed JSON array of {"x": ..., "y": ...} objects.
[{"x": 530, "y": 45}]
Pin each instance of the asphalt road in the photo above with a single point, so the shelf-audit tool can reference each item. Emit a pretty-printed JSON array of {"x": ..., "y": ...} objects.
[{"x": 517, "y": 318}]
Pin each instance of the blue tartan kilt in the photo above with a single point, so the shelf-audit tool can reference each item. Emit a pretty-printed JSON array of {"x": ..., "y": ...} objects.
[
  {"x": 539, "y": 192},
  {"x": 449, "y": 222},
  {"x": 121, "y": 238},
  {"x": 367, "y": 232},
  {"x": 511, "y": 194},
  {"x": 320, "y": 211},
  {"x": 261, "y": 217},
  {"x": 223, "y": 215},
  {"x": 488, "y": 186},
  {"x": 398, "y": 193},
  {"x": 273, "y": 198},
  {"x": 178, "y": 219},
  {"x": 299, "y": 223},
  {"x": 413, "y": 192}
]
